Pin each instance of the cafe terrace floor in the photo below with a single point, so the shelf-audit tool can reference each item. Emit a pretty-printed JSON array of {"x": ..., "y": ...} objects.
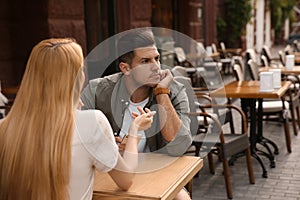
[{"x": 283, "y": 181}]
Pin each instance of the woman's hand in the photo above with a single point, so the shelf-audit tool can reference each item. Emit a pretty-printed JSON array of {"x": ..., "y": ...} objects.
[{"x": 143, "y": 120}]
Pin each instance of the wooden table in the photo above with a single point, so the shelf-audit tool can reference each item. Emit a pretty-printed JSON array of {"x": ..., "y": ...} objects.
[
  {"x": 285, "y": 71},
  {"x": 297, "y": 57},
  {"x": 250, "y": 90},
  {"x": 169, "y": 176}
]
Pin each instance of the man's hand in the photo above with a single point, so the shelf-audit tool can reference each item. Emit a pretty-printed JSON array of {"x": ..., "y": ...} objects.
[
  {"x": 119, "y": 142},
  {"x": 166, "y": 78},
  {"x": 141, "y": 122}
]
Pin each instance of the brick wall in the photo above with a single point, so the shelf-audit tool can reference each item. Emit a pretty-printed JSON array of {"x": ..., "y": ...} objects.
[{"x": 23, "y": 25}]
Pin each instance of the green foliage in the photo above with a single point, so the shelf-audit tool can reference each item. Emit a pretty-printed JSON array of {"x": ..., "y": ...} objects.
[
  {"x": 280, "y": 11},
  {"x": 237, "y": 15},
  {"x": 221, "y": 28}
]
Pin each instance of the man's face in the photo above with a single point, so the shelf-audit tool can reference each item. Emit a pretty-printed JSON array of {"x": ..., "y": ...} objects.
[{"x": 145, "y": 66}]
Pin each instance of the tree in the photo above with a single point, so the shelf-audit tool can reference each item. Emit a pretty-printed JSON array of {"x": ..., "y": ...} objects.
[
  {"x": 280, "y": 11},
  {"x": 231, "y": 26}
]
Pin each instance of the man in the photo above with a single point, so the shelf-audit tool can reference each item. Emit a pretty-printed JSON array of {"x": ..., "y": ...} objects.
[{"x": 142, "y": 82}]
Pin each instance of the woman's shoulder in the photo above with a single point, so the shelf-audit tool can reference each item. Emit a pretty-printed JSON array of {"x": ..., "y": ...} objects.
[
  {"x": 92, "y": 130},
  {"x": 92, "y": 122},
  {"x": 89, "y": 113}
]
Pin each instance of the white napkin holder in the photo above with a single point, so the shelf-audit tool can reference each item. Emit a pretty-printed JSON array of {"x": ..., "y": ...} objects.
[
  {"x": 266, "y": 82},
  {"x": 209, "y": 50},
  {"x": 276, "y": 78},
  {"x": 289, "y": 61}
]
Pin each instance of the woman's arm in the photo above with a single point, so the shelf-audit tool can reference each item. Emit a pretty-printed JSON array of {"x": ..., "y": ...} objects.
[{"x": 124, "y": 171}]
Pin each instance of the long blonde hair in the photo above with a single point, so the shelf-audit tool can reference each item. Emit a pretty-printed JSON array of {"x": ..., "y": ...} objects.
[{"x": 36, "y": 135}]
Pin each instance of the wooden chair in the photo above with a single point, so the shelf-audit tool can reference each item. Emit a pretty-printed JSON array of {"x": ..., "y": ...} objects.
[
  {"x": 238, "y": 72},
  {"x": 288, "y": 50},
  {"x": 215, "y": 142},
  {"x": 249, "y": 54},
  {"x": 292, "y": 96},
  {"x": 10, "y": 93},
  {"x": 224, "y": 57},
  {"x": 3, "y": 105},
  {"x": 208, "y": 134},
  {"x": 267, "y": 53},
  {"x": 281, "y": 57},
  {"x": 181, "y": 71},
  {"x": 264, "y": 61},
  {"x": 180, "y": 57},
  {"x": 198, "y": 124},
  {"x": 189, "y": 72}
]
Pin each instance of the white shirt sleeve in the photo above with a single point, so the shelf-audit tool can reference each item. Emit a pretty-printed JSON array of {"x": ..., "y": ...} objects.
[{"x": 97, "y": 138}]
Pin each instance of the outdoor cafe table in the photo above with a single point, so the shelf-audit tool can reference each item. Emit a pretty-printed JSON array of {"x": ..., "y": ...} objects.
[
  {"x": 297, "y": 57},
  {"x": 284, "y": 70},
  {"x": 250, "y": 91},
  {"x": 155, "y": 181}
]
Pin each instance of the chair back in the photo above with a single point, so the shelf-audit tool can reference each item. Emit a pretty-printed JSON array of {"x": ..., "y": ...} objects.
[
  {"x": 3, "y": 102},
  {"x": 253, "y": 68},
  {"x": 266, "y": 52},
  {"x": 288, "y": 50},
  {"x": 281, "y": 57},
  {"x": 180, "y": 54},
  {"x": 214, "y": 48},
  {"x": 264, "y": 61},
  {"x": 201, "y": 52},
  {"x": 250, "y": 54},
  {"x": 223, "y": 46},
  {"x": 212, "y": 76},
  {"x": 238, "y": 72},
  {"x": 179, "y": 71}
]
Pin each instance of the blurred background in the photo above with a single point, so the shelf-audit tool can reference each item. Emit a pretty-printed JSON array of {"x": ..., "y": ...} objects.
[{"x": 237, "y": 23}]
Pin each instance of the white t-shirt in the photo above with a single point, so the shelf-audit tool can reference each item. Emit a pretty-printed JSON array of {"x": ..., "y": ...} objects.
[
  {"x": 128, "y": 120},
  {"x": 93, "y": 146}
]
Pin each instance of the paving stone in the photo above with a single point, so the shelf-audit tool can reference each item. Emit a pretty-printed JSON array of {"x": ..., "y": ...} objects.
[{"x": 282, "y": 183}]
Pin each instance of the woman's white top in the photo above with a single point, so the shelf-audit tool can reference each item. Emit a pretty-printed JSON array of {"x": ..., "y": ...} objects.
[{"x": 93, "y": 147}]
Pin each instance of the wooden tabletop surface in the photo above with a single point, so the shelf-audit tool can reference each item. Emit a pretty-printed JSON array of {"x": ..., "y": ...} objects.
[
  {"x": 249, "y": 89},
  {"x": 294, "y": 70},
  {"x": 163, "y": 183}
]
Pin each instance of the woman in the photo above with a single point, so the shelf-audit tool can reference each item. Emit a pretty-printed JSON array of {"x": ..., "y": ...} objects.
[{"x": 49, "y": 148}]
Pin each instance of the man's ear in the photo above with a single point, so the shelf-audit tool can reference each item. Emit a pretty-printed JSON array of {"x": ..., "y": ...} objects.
[{"x": 124, "y": 67}]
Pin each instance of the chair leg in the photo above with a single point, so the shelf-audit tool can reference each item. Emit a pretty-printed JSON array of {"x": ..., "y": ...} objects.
[
  {"x": 197, "y": 152},
  {"x": 292, "y": 111},
  {"x": 287, "y": 135},
  {"x": 298, "y": 116},
  {"x": 211, "y": 163},
  {"x": 249, "y": 166},
  {"x": 227, "y": 178},
  {"x": 231, "y": 124}
]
